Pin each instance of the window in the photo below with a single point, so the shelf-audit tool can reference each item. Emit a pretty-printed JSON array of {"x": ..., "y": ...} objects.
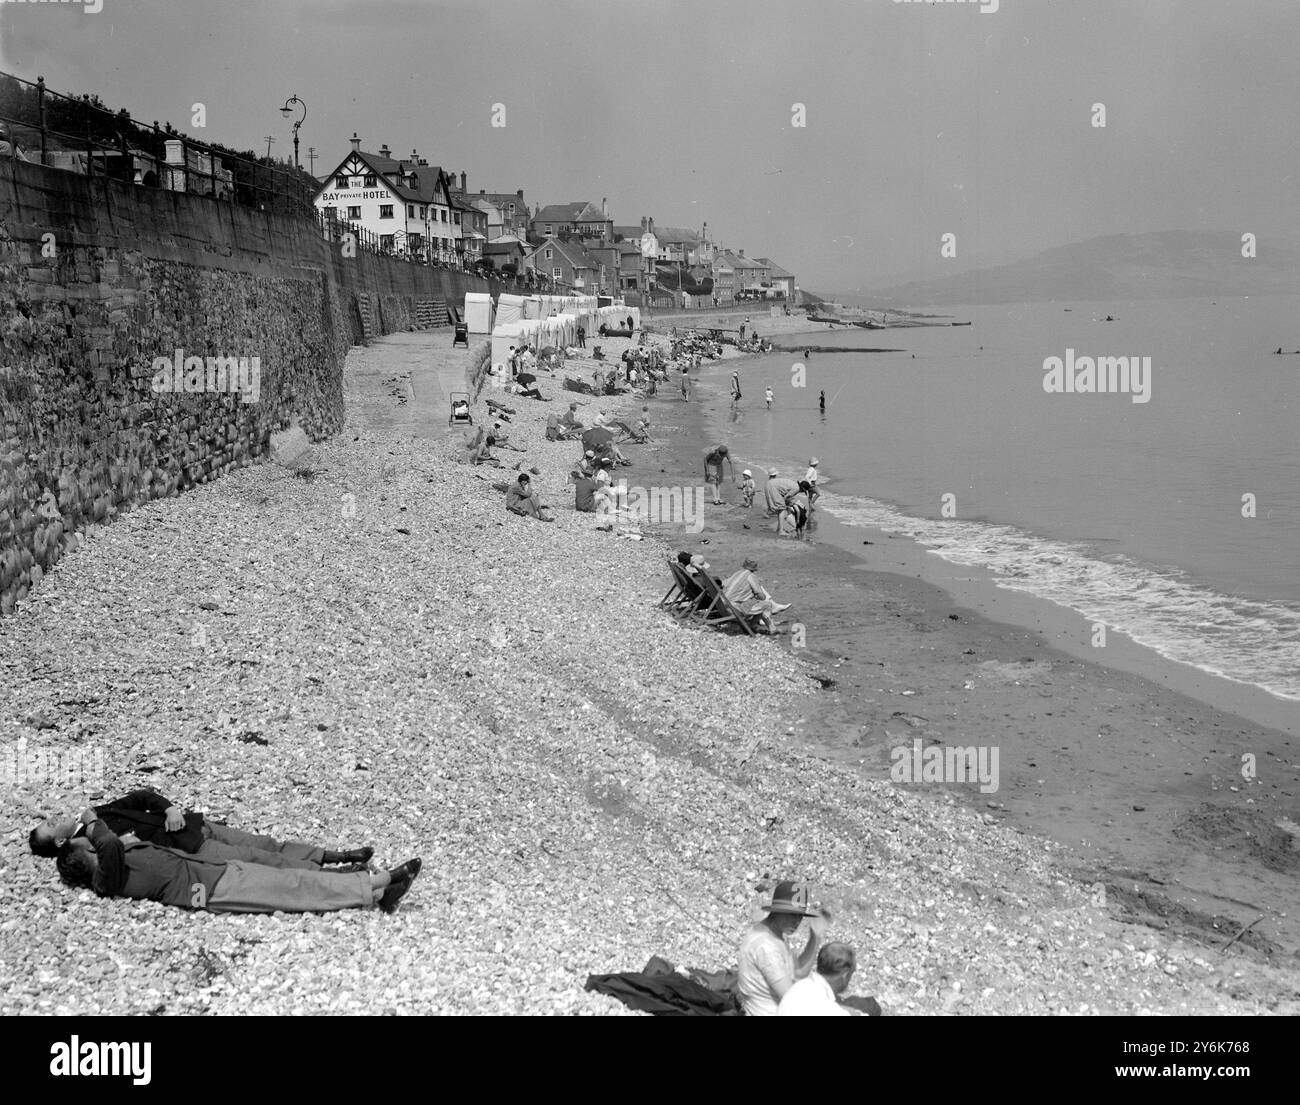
[
  {"x": 456, "y": 217},
  {"x": 512, "y": 209},
  {"x": 331, "y": 212},
  {"x": 344, "y": 181},
  {"x": 370, "y": 181},
  {"x": 549, "y": 229},
  {"x": 386, "y": 242},
  {"x": 424, "y": 211},
  {"x": 385, "y": 210},
  {"x": 354, "y": 212},
  {"x": 410, "y": 210},
  {"x": 442, "y": 215},
  {"x": 556, "y": 273},
  {"x": 550, "y": 254}
]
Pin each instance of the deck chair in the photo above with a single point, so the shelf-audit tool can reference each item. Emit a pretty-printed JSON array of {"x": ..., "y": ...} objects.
[
  {"x": 720, "y": 612},
  {"x": 461, "y": 336},
  {"x": 678, "y": 602}
]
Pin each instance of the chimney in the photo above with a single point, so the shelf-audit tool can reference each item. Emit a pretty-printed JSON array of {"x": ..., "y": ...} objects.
[
  {"x": 415, "y": 157},
  {"x": 741, "y": 252},
  {"x": 356, "y": 143},
  {"x": 463, "y": 180},
  {"x": 482, "y": 191},
  {"x": 520, "y": 193},
  {"x": 384, "y": 151},
  {"x": 652, "y": 224},
  {"x": 642, "y": 224},
  {"x": 604, "y": 208}
]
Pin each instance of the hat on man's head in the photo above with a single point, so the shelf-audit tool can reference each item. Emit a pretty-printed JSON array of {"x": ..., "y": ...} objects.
[
  {"x": 750, "y": 563},
  {"x": 813, "y": 462},
  {"x": 771, "y": 471},
  {"x": 791, "y": 897}
]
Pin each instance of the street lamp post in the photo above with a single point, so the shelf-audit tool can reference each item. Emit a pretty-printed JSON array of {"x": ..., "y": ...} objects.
[{"x": 286, "y": 111}]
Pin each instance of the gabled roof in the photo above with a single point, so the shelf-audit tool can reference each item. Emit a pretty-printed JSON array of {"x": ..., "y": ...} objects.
[
  {"x": 629, "y": 232},
  {"x": 676, "y": 235},
  {"x": 502, "y": 246},
  {"x": 776, "y": 270},
  {"x": 577, "y": 212},
  {"x": 572, "y": 252}
]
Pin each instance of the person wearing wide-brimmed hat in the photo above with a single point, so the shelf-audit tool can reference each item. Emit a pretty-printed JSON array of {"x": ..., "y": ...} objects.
[{"x": 767, "y": 967}]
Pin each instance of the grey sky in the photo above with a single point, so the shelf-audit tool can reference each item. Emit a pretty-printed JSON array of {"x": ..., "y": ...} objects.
[{"x": 921, "y": 118}]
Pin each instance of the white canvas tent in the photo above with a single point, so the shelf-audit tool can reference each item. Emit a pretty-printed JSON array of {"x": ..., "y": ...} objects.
[
  {"x": 524, "y": 332},
  {"x": 510, "y": 308},
  {"x": 480, "y": 315}
]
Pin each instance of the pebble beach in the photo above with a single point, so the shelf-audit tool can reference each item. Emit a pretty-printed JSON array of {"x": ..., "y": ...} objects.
[{"x": 367, "y": 649}]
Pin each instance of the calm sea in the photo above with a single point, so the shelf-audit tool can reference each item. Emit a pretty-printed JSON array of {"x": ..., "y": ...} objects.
[{"x": 1132, "y": 514}]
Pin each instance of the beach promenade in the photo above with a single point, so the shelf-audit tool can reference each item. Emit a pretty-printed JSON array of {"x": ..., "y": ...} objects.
[{"x": 369, "y": 649}]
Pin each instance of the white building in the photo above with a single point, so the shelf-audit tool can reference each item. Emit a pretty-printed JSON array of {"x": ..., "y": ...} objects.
[{"x": 406, "y": 205}]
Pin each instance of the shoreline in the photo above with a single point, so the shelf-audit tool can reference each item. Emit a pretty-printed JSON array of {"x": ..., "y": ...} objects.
[
  {"x": 1130, "y": 770},
  {"x": 392, "y": 659}
]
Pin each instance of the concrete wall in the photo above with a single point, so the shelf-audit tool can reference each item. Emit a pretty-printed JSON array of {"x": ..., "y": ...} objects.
[{"x": 98, "y": 278}]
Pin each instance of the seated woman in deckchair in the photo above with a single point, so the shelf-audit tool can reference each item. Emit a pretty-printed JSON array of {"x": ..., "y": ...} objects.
[{"x": 746, "y": 593}]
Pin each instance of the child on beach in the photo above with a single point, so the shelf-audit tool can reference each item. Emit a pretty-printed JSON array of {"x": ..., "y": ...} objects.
[
  {"x": 747, "y": 488},
  {"x": 769, "y": 398}
]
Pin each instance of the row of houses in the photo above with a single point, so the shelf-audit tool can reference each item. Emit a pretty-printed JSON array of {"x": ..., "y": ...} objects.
[{"x": 415, "y": 209}]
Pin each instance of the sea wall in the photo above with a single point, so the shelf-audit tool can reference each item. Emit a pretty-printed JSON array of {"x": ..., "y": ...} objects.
[{"x": 100, "y": 278}]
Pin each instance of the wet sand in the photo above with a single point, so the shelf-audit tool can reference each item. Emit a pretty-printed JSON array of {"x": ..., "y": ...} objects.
[{"x": 1141, "y": 780}]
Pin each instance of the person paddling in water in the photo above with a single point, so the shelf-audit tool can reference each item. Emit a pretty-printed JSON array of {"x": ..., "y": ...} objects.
[
  {"x": 735, "y": 390},
  {"x": 769, "y": 398},
  {"x": 713, "y": 470}
]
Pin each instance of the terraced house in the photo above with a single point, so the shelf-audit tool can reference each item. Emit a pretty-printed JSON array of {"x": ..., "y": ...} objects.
[
  {"x": 570, "y": 265},
  {"x": 573, "y": 220},
  {"x": 406, "y": 204}
]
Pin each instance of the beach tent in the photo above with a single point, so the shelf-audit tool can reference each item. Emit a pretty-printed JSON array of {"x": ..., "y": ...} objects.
[
  {"x": 479, "y": 313},
  {"x": 521, "y": 333},
  {"x": 510, "y": 308}
]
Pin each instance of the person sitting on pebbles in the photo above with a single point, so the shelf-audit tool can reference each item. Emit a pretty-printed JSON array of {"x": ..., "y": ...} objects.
[
  {"x": 502, "y": 437},
  {"x": 153, "y": 819},
  {"x": 767, "y": 968},
  {"x": 818, "y": 994},
  {"x": 746, "y": 593},
  {"x": 522, "y": 499},
  {"x": 117, "y": 867}
]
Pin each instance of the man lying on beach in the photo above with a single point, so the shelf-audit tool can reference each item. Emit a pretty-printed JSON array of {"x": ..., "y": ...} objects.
[
  {"x": 767, "y": 968},
  {"x": 777, "y": 494},
  {"x": 522, "y": 499},
  {"x": 115, "y": 867},
  {"x": 746, "y": 593},
  {"x": 817, "y": 994},
  {"x": 153, "y": 819}
]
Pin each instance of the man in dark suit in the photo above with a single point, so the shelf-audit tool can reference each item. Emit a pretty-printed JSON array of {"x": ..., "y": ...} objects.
[
  {"x": 149, "y": 817},
  {"x": 114, "y": 867}
]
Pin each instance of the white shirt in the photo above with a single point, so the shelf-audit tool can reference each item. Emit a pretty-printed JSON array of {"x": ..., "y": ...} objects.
[
  {"x": 764, "y": 959},
  {"x": 811, "y": 475},
  {"x": 811, "y": 997}
]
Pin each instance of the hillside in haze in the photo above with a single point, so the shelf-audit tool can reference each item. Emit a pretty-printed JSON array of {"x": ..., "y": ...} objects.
[{"x": 1164, "y": 265}]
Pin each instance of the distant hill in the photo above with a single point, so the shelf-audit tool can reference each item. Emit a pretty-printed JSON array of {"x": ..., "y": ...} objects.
[{"x": 1163, "y": 265}]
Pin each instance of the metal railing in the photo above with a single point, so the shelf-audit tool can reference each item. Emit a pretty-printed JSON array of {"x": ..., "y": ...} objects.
[{"x": 83, "y": 136}]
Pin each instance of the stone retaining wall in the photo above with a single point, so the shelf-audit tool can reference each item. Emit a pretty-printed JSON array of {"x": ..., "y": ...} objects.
[{"x": 99, "y": 278}]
